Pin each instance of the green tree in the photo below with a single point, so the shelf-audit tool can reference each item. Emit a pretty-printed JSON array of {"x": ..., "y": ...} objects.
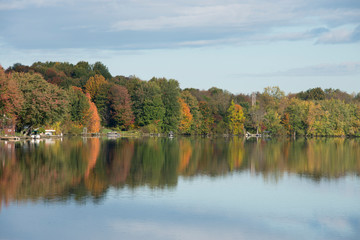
[
  {"x": 79, "y": 105},
  {"x": 206, "y": 118},
  {"x": 44, "y": 103},
  {"x": 312, "y": 94},
  {"x": 271, "y": 97},
  {"x": 272, "y": 123},
  {"x": 170, "y": 95},
  {"x": 153, "y": 107},
  {"x": 101, "y": 101},
  {"x": 101, "y": 69},
  {"x": 297, "y": 111}
]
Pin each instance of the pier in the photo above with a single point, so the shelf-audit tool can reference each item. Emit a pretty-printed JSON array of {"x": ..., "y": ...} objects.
[{"x": 9, "y": 138}]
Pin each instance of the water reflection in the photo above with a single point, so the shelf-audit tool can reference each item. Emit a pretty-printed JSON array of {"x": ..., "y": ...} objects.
[{"x": 77, "y": 168}]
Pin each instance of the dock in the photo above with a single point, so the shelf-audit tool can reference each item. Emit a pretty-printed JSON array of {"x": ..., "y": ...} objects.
[{"x": 9, "y": 138}]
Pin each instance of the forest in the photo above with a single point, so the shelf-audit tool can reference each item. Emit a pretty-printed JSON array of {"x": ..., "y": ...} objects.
[{"x": 69, "y": 97}]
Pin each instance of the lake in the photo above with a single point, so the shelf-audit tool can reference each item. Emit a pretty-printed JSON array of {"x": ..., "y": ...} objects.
[{"x": 180, "y": 188}]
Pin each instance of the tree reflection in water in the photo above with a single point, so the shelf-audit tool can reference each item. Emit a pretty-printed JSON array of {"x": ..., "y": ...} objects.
[{"x": 76, "y": 168}]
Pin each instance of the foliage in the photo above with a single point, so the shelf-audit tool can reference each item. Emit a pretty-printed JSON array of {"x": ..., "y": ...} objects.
[
  {"x": 312, "y": 94},
  {"x": 186, "y": 117},
  {"x": 170, "y": 95},
  {"x": 92, "y": 117},
  {"x": 206, "y": 118},
  {"x": 236, "y": 119},
  {"x": 271, "y": 97},
  {"x": 79, "y": 105},
  {"x": 100, "y": 69},
  {"x": 102, "y": 102},
  {"x": 44, "y": 103},
  {"x": 93, "y": 85},
  {"x": 48, "y": 93},
  {"x": 121, "y": 115},
  {"x": 297, "y": 111},
  {"x": 11, "y": 98},
  {"x": 193, "y": 105},
  {"x": 272, "y": 123}
]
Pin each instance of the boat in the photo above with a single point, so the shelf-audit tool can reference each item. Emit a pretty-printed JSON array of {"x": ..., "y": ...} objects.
[
  {"x": 113, "y": 134},
  {"x": 35, "y": 136}
]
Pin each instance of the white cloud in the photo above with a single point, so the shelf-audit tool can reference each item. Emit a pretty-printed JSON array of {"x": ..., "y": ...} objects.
[
  {"x": 233, "y": 15},
  {"x": 336, "y": 36},
  {"x": 341, "y": 69},
  {"x": 178, "y": 22},
  {"x": 342, "y": 35},
  {"x": 135, "y": 229},
  {"x": 21, "y": 4}
]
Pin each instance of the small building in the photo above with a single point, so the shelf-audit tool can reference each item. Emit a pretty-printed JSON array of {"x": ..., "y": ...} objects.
[{"x": 49, "y": 132}]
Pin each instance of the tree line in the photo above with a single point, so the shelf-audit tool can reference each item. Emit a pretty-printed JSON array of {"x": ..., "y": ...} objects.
[{"x": 68, "y": 97}]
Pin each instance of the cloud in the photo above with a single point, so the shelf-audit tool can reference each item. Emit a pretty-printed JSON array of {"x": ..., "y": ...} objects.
[
  {"x": 233, "y": 15},
  {"x": 341, "y": 69},
  {"x": 22, "y": 4},
  {"x": 342, "y": 35},
  {"x": 146, "y": 24}
]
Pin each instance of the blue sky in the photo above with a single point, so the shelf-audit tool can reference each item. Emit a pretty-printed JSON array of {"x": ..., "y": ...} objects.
[{"x": 240, "y": 46}]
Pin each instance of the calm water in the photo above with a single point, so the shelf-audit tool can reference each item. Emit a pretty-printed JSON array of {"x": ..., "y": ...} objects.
[{"x": 181, "y": 188}]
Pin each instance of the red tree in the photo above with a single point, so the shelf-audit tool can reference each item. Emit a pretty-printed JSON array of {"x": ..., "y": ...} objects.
[
  {"x": 11, "y": 98},
  {"x": 121, "y": 114}
]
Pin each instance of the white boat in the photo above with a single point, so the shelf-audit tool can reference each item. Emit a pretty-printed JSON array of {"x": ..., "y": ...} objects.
[
  {"x": 113, "y": 134},
  {"x": 35, "y": 136}
]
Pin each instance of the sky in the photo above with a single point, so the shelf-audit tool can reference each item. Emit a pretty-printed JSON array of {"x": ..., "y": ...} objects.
[{"x": 241, "y": 46}]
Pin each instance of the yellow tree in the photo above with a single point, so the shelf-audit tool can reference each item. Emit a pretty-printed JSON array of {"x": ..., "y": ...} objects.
[
  {"x": 94, "y": 84},
  {"x": 185, "y": 117},
  {"x": 236, "y": 118}
]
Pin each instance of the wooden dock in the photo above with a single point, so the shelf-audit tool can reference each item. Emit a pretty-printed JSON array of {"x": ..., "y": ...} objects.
[{"x": 9, "y": 138}]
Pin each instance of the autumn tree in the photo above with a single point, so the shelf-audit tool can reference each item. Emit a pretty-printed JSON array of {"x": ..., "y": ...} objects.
[
  {"x": 285, "y": 122},
  {"x": 93, "y": 85},
  {"x": 193, "y": 104},
  {"x": 121, "y": 114},
  {"x": 92, "y": 117},
  {"x": 18, "y": 67},
  {"x": 236, "y": 118},
  {"x": 186, "y": 117},
  {"x": 11, "y": 98}
]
